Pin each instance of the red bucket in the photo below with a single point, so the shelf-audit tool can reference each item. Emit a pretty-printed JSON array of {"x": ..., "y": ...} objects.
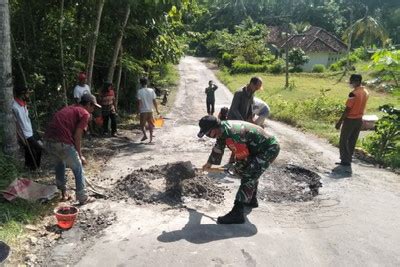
[{"x": 66, "y": 216}]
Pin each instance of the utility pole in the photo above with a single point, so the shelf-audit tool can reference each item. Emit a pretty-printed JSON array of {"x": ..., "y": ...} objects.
[{"x": 287, "y": 56}]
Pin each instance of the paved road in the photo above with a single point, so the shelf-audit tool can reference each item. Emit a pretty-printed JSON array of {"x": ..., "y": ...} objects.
[{"x": 354, "y": 221}]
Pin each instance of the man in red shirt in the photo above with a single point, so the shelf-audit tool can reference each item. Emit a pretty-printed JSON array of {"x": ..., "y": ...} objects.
[
  {"x": 351, "y": 119},
  {"x": 63, "y": 141}
]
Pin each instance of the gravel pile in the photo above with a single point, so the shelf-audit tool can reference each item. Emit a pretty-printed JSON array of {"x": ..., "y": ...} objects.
[{"x": 167, "y": 184}]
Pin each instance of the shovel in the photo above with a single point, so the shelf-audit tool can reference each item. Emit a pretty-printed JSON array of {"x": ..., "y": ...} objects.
[{"x": 212, "y": 169}]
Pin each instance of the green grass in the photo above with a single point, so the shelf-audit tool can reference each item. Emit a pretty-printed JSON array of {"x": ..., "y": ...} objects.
[
  {"x": 306, "y": 87},
  {"x": 14, "y": 215}
]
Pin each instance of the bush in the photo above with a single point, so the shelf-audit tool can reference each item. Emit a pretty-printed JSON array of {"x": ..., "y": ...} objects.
[
  {"x": 295, "y": 69},
  {"x": 297, "y": 57},
  {"x": 335, "y": 67},
  {"x": 277, "y": 67},
  {"x": 384, "y": 144},
  {"x": 227, "y": 59},
  {"x": 361, "y": 53},
  {"x": 240, "y": 67},
  {"x": 341, "y": 63},
  {"x": 318, "y": 68}
]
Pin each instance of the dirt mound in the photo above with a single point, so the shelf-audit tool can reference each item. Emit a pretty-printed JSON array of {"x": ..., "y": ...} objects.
[
  {"x": 290, "y": 183},
  {"x": 168, "y": 184}
]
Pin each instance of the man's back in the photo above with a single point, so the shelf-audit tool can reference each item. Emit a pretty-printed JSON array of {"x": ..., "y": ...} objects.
[
  {"x": 80, "y": 90},
  {"x": 241, "y": 106},
  {"x": 64, "y": 123},
  {"x": 146, "y": 96}
]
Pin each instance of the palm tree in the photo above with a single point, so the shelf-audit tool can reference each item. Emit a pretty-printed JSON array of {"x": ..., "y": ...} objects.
[
  {"x": 298, "y": 28},
  {"x": 367, "y": 28},
  {"x": 7, "y": 122}
]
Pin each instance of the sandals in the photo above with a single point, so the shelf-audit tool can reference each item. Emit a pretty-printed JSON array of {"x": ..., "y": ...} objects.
[
  {"x": 87, "y": 200},
  {"x": 65, "y": 196}
]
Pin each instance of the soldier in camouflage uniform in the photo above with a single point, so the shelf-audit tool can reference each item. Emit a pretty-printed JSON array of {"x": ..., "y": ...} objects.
[{"x": 254, "y": 150}]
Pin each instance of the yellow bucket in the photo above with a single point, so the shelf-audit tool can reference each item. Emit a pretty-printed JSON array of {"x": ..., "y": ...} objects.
[{"x": 159, "y": 122}]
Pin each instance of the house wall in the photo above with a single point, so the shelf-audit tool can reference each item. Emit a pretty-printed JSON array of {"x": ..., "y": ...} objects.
[{"x": 324, "y": 58}]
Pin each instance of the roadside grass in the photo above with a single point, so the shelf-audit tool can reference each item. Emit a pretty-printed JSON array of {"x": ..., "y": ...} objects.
[
  {"x": 288, "y": 104},
  {"x": 14, "y": 215}
]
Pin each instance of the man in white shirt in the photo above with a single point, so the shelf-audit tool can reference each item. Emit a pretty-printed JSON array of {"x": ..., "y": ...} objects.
[
  {"x": 261, "y": 110},
  {"x": 33, "y": 150},
  {"x": 146, "y": 101},
  {"x": 81, "y": 88}
]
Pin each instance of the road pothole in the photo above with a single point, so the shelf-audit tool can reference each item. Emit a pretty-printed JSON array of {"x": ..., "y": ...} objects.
[
  {"x": 168, "y": 184},
  {"x": 290, "y": 183}
]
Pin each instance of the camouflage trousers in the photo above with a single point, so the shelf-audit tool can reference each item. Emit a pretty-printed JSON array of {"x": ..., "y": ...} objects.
[{"x": 250, "y": 171}]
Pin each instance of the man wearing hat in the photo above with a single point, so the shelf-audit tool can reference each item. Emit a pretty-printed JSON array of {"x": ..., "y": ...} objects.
[
  {"x": 81, "y": 88},
  {"x": 33, "y": 150},
  {"x": 254, "y": 150},
  {"x": 63, "y": 140}
]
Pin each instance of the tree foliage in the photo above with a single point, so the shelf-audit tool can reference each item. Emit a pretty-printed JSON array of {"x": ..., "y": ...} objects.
[
  {"x": 384, "y": 144},
  {"x": 388, "y": 61},
  {"x": 150, "y": 35},
  {"x": 297, "y": 57}
]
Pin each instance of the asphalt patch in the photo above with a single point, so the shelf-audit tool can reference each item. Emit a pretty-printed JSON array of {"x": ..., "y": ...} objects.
[
  {"x": 168, "y": 184},
  {"x": 290, "y": 183},
  {"x": 92, "y": 222}
]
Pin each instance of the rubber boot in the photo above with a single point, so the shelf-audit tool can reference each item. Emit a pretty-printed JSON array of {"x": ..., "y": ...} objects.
[
  {"x": 253, "y": 202},
  {"x": 235, "y": 216}
]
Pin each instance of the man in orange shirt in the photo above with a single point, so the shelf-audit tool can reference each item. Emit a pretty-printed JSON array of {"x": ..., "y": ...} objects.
[{"x": 351, "y": 119}]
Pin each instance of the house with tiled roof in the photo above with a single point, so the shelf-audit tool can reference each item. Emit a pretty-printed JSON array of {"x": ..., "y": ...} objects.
[{"x": 321, "y": 46}]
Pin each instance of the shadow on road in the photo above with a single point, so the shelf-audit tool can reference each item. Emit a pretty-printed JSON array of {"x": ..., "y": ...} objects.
[{"x": 197, "y": 233}]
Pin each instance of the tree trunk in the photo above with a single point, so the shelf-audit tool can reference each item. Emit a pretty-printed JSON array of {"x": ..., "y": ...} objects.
[
  {"x": 118, "y": 77},
  {"x": 118, "y": 45},
  {"x": 64, "y": 86},
  {"x": 7, "y": 122},
  {"x": 92, "y": 50}
]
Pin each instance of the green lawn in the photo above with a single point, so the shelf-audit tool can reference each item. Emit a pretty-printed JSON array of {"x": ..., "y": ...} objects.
[{"x": 307, "y": 87}]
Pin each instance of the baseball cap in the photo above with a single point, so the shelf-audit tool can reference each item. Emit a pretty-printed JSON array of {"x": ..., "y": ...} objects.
[
  {"x": 207, "y": 123},
  {"x": 89, "y": 98},
  {"x": 82, "y": 76}
]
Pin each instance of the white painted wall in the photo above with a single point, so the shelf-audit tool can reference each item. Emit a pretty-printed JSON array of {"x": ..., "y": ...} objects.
[{"x": 324, "y": 58}]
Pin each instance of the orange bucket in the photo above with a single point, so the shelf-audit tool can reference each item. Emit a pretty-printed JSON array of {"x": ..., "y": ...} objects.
[
  {"x": 66, "y": 216},
  {"x": 159, "y": 122}
]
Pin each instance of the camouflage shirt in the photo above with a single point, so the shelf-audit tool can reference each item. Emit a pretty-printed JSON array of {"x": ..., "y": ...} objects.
[{"x": 249, "y": 138}]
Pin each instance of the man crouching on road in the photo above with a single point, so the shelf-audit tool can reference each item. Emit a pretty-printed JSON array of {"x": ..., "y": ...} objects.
[
  {"x": 254, "y": 151},
  {"x": 63, "y": 141}
]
